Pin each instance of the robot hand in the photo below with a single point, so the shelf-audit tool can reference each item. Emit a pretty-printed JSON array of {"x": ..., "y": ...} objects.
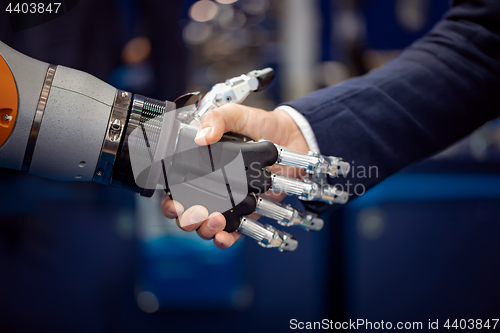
[
  {"x": 66, "y": 125},
  {"x": 256, "y": 157}
]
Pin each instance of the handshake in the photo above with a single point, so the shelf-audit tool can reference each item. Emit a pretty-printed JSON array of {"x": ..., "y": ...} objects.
[{"x": 223, "y": 165}]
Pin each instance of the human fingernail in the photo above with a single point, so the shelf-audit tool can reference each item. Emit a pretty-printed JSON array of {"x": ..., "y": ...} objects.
[
  {"x": 215, "y": 223},
  {"x": 175, "y": 208},
  {"x": 217, "y": 241},
  {"x": 201, "y": 135},
  {"x": 171, "y": 210},
  {"x": 198, "y": 215},
  {"x": 194, "y": 216}
]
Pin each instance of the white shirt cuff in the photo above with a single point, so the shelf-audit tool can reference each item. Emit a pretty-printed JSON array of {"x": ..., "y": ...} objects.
[{"x": 304, "y": 127}]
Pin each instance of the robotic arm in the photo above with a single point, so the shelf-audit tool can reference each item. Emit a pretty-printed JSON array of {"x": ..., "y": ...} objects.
[{"x": 63, "y": 124}]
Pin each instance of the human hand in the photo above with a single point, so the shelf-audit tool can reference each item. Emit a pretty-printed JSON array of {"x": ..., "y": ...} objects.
[{"x": 276, "y": 126}]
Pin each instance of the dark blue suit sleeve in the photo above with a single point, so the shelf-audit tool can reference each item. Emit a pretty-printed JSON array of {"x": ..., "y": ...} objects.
[{"x": 437, "y": 91}]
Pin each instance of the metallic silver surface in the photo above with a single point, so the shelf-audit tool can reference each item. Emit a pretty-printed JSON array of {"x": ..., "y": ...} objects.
[
  {"x": 335, "y": 166},
  {"x": 310, "y": 221},
  {"x": 267, "y": 236},
  {"x": 308, "y": 190},
  {"x": 119, "y": 178},
  {"x": 234, "y": 90},
  {"x": 288, "y": 157},
  {"x": 274, "y": 211},
  {"x": 37, "y": 121},
  {"x": 136, "y": 111},
  {"x": 164, "y": 149},
  {"x": 332, "y": 195},
  {"x": 288, "y": 216},
  {"x": 312, "y": 162},
  {"x": 114, "y": 133},
  {"x": 305, "y": 190}
]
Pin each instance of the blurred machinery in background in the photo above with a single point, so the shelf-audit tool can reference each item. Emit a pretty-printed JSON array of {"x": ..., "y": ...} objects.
[{"x": 228, "y": 37}]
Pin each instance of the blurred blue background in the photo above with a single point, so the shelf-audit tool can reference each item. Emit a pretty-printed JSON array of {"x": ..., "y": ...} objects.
[{"x": 86, "y": 258}]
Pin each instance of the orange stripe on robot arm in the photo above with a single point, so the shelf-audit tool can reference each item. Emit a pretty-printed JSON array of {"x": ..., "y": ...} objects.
[{"x": 8, "y": 101}]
